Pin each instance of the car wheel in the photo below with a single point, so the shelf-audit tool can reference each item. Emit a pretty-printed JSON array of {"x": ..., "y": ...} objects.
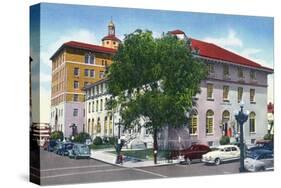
[
  {"x": 217, "y": 161},
  {"x": 261, "y": 169}
]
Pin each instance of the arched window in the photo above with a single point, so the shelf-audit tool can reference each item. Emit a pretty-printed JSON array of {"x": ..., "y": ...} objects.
[
  {"x": 105, "y": 125},
  {"x": 92, "y": 127},
  {"x": 88, "y": 126},
  {"x": 225, "y": 116},
  {"x": 252, "y": 118},
  {"x": 90, "y": 58},
  {"x": 98, "y": 126},
  {"x": 209, "y": 122},
  {"x": 101, "y": 105},
  {"x": 110, "y": 125},
  {"x": 193, "y": 122},
  {"x": 89, "y": 107}
]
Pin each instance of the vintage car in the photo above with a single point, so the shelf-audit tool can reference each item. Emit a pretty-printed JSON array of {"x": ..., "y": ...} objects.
[
  {"x": 50, "y": 145},
  {"x": 64, "y": 148},
  {"x": 80, "y": 151},
  {"x": 221, "y": 154},
  {"x": 259, "y": 160},
  {"x": 261, "y": 145}
]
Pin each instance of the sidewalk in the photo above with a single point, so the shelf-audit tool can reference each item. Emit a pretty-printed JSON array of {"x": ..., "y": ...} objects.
[{"x": 105, "y": 156}]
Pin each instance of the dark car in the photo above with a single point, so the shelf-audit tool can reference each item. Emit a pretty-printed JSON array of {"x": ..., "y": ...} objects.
[
  {"x": 192, "y": 153},
  {"x": 50, "y": 146},
  {"x": 262, "y": 145},
  {"x": 64, "y": 149},
  {"x": 80, "y": 151}
]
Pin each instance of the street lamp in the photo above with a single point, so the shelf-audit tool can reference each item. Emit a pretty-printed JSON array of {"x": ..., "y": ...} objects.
[
  {"x": 241, "y": 117},
  {"x": 119, "y": 144}
]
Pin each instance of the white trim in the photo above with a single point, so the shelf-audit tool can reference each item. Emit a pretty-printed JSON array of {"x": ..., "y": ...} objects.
[
  {"x": 67, "y": 93},
  {"x": 230, "y": 63},
  {"x": 79, "y": 63}
]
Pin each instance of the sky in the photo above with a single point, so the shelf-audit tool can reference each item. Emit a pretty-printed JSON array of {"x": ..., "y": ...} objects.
[{"x": 249, "y": 36}]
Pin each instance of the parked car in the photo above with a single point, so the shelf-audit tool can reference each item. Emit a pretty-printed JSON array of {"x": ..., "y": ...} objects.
[
  {"x": 221, "y": 154},
  {"x": 64, "y": 148},
  {"x": 193, "y": 153},
  {"x": 80, "y": 151},
  {"x": 259, "y": 160},
  {"x": 50, "y": 146},
  {"x": 261, "y": 145}
]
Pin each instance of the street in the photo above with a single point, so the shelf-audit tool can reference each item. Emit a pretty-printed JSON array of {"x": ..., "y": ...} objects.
[{"x": 57, "y": 169}]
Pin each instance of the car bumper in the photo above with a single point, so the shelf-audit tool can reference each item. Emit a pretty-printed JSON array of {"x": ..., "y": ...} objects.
[{"x": 208, "y": 161}]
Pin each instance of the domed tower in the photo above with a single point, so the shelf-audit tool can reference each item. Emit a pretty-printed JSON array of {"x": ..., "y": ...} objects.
[{"x": 111, "y": 41}]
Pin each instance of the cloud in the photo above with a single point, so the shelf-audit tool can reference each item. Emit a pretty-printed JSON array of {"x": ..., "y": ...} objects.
[
  {"x": 231, "y": 40},
  {"x": 81, "y": 35}
]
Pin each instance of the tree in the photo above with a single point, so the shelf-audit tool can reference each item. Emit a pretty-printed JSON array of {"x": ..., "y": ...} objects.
[
  {"x": 81, "y": 137},
  {"x": 56, "y": 135},
  {"x": 154, "y": 79}
]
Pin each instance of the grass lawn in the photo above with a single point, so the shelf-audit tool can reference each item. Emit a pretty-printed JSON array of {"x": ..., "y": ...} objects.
[
  {"x": 141, "y": 154},
  {"x": 103, "y": 146}
]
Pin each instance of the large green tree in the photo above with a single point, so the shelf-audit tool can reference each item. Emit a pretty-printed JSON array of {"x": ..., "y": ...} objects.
[{"x": 154, "y": 79}]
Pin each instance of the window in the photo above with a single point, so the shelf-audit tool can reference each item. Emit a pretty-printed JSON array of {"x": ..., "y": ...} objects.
[
  {"x": 89, "y": 58},
  {"x": 75, "y": 112},
  {"x": 252, "y": 95},
  {"x": 101, "y": 105},
  {"x": 240, "y": 94},
  {"x": 105, "y": 125},
  {"x": 225, "y": 93},
  {"x": 234, "y": 149},
  {"x": 93, "y": 126},
  {"x": 225, "y": 116},
  {"x": 75, "y": 97},
  {"x": 101, "y": 74},
  {"x": 110, "y": 124},
  {"x": 76, "y": 71},
  {"x": 76, "y": 84},
  {"x": 97, "y": 106},
  {"x": 240, "y": 72},
  {"x": 98, "y": 126},
  {"x": 193, "y": 123},
  {"x": 252, "y": 122},
  {"x": 101, "y": 88},
  {"x": 86, "y": 72},
  {"x": 92, "y": 73},
  {"x": 89, "y": 125},
  {"x": 225, "y": 70},
  {"x": 89, "y": 107},
  {"x": 102, "y": 62},
  {"x": 253, "y": 75},
  {"x": 209, "y": 121},
  {"x": 210, "y": 68},
  {"x": 93, "y": 106},
  {"x": 209, "y": 91}
]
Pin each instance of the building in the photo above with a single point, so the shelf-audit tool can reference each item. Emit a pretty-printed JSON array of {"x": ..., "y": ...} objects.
[
  {"x": 231, "y": 79},
  {"x": 75, "y": 65}
]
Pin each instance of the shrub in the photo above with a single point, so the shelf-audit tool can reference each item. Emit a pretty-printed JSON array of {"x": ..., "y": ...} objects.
[
  {"x": 112, "y": 140},
  {"x": 105, "y": 140},
  {"x": 97, "y": 141},
  {"x": 81, "y": 137},
  {"x": 56, "y": 135},
  {"x": 224, "y": 140},
  {"x": 268, "y": 137}
]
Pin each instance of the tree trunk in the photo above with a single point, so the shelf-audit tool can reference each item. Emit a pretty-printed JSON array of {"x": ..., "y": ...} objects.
[{"x": 155, "y": 146}]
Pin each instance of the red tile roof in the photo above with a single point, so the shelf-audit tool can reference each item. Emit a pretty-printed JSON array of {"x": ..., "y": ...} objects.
[
  {"x": 175, "y": 32},
  {"x": 111, "y": 37},
  {"x": 85, "y": 46},
  {"x": 213, "y": 51}
]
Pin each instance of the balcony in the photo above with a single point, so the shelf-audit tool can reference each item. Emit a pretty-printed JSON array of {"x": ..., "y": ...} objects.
[
  {"x": 241, "y": 79},
  {"x": 212, "y": 75},
  {"x": 226, "y": 77}
]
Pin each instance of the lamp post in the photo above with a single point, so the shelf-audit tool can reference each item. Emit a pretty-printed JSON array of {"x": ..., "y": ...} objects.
[
  {"x": 119, "y": 144},
  {"x": 241, "y": 117}
]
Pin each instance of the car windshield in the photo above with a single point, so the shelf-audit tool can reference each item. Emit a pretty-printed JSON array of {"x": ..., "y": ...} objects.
[{"x": 84, "y": 148}]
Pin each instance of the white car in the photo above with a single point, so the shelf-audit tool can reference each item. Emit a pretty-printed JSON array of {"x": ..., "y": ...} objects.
[
  {"x": 222, "y": 153},
  {"x": 259, "y": 160}
]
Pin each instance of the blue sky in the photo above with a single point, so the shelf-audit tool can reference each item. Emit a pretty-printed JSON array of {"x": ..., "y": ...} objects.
[{"x": 249, "y": 36}]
